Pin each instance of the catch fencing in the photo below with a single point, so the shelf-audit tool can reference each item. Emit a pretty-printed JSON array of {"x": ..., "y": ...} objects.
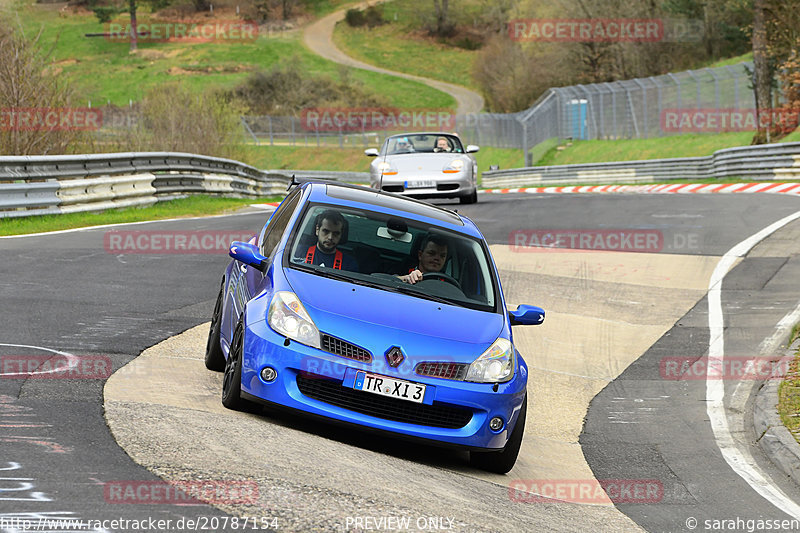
[{"x": 629, "y": 109}]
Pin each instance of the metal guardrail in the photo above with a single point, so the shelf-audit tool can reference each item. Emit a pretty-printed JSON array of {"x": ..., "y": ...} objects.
[
  {"x": 39, "y": 185},
  {"x": 763, "y": 162}
]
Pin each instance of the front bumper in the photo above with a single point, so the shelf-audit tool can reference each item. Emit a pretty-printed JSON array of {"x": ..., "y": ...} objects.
[
  {"x": 453, "y": 413},
  {"x": 444, "y": 186}
]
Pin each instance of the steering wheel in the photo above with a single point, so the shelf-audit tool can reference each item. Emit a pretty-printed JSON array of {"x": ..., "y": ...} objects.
[{"x": 441, "y": 276}]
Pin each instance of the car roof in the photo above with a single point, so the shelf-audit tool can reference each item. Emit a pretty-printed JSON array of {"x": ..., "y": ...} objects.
[{"x": 345, "y": 194}]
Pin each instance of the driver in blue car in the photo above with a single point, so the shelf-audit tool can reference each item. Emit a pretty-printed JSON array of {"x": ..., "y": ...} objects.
[
  {"x": 431, "y": 257},
  {"x": 331, "y": 231}
]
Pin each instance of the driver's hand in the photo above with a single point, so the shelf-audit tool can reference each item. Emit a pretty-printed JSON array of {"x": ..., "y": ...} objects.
[{"x": 412, "y": 277}]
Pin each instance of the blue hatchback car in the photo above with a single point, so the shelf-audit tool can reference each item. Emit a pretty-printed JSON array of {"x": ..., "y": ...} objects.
[{"x": 375, "y": 310}]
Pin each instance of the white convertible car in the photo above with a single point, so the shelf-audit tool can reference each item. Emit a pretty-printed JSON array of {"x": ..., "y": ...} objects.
[{"x": 425, "y": 165}]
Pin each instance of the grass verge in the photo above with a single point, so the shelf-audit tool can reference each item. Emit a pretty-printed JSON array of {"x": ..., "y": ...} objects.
[
  {"x": 789, "y": 393},
  {"x": 635, "y": 149},
  {"x": 198, "y": 205},
  {"x": 103, "y": 71},
  {"x": 400, "y": 46},
  {"x": 353, "y": 159}
]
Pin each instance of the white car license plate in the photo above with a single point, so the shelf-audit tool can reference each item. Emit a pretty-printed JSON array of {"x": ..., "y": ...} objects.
[
  {"x": 420, "y": 184},
  {"x": 393, "y": 388}
]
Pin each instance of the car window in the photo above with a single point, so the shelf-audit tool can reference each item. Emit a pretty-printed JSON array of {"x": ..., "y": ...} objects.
[
  {"x": 419, "y": 143},
  {"x": 376, "y": 248},
  {"x": 278, "y": 221}
]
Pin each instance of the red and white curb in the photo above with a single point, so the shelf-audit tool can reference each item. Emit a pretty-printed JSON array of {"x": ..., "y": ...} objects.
[{"x": 681, "y": 188}]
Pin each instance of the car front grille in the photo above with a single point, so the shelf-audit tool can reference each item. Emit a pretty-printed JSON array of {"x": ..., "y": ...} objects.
[
  {"x": 455, "y": 371},
  {"x": 332, "y": 392},
  {"x": 345, "y": 349}
]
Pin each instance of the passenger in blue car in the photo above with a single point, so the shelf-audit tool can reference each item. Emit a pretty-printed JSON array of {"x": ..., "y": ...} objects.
[
  {"x": 331, "y": 231},
  {"x": 431, "y": 257}
]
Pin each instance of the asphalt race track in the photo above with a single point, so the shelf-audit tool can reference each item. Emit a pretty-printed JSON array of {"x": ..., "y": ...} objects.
[{"x": 602, "y": 408}]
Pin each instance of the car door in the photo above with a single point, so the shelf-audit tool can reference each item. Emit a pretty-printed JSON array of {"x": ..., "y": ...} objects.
[{"x": 244, "y": 279}]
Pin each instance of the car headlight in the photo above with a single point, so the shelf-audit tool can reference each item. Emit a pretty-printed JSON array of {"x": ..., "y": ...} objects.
[
  {"x": 386, "y": 169},
  {"x": 456, "y": 165},
  {"x": 287, "y": 316},
  {"x": 496, "y": 364}
]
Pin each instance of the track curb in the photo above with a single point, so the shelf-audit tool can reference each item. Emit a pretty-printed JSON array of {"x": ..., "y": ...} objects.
[
  {"x": 675, "y": 188},
  {"x": 772, "y": 436}
]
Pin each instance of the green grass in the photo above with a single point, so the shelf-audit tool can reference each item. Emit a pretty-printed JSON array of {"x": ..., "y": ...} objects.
[
  {"x": 400, "y": 46},
  {"x": 199, "y": 205},
  {"x": 732, "y": 60},
  {"x": 353, "y": 159},
  {"x": 635, "y": 149},
  {"x": 103, "y": 71},
  {"x": 789, "y": 394}
]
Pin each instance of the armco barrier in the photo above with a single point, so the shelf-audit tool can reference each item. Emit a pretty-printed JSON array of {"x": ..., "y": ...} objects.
[
  {"x": 764, "y": 162},
  {"x": 38, "y": 185}
]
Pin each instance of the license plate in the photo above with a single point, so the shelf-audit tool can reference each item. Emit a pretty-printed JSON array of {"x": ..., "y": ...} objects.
[
  {"x": 393, "y": 388},
  {"x": 420, "y": 184}
]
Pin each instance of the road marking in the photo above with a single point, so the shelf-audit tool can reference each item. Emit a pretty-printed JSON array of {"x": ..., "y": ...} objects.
[
  {"x": 715, "y": 388},
  {"x": 87, "y": 228},
  {"x": 72, "y": 359}
]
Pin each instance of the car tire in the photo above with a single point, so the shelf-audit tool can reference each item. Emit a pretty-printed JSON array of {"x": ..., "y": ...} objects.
[
  {"x": 470, "y": 198},
  {"x": 502, "y": 461},
  {"x": 215, "y": 359},
  {"x": 232, "y": 378}
]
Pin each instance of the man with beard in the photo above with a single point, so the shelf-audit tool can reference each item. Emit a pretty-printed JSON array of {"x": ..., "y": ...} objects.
[{"x": 331, "y": 231}]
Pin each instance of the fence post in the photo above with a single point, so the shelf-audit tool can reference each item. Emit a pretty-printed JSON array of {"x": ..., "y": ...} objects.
[
  {"x": 525, "y": 152},
  {"x": 678, "y": 84},
  {"x": 271, "y": 140}
]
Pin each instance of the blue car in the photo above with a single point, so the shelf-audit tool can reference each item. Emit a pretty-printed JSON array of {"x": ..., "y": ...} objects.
[{"x": 378, "y": 311}]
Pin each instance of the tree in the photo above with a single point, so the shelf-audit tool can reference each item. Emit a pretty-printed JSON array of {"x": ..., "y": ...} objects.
[
  {"x": 134, "y": 31},
  {"x": 29, "y": 94},
  {"x": 762, "y": 83},
  {"x": 443, "y": 27}
]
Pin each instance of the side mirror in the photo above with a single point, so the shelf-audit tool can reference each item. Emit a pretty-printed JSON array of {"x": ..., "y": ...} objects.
[
  {"x": 526, "y": 315},
  {"x": 248, "y": 254},
  {"x": 471, "y": 148},
  {"x": 372, "y": 152}
]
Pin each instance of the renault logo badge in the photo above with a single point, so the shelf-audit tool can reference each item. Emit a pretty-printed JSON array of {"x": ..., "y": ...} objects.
[{"x": 394, "y": 356}]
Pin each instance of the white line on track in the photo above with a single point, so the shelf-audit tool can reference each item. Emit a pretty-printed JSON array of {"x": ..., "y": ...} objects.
[
  {"x": 73, "y": 360},
  {"x": 87, "y": 228},
  {"x": 715, "y": 388}
]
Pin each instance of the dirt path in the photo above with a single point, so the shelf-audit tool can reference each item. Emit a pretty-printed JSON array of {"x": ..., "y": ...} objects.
[{"x": 319, "y": 39}]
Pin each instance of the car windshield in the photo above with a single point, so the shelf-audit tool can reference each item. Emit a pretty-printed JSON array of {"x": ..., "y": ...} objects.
[
  {"x": 375, "y": 249},
  {"x": 422, "y": 143}
]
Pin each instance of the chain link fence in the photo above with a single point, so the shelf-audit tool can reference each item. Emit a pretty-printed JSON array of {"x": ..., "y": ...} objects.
[{"x": 630, "y": 109}]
